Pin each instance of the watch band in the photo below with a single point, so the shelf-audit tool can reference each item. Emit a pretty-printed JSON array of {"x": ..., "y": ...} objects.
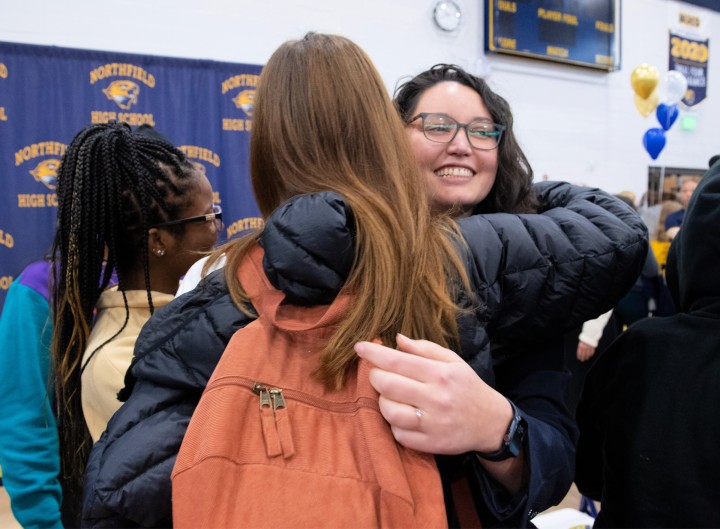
[{"x": 513, "y": 440}]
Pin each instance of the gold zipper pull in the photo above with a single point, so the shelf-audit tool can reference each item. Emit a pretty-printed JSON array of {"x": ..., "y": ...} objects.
[
  {"x": 282, "y": 422},
  {"x": 277, "y": 398},
  {"x": 267, "y": 421},
  {"x": 265, "y": 399}
]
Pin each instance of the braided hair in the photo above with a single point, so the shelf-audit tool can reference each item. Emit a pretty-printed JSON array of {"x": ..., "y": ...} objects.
[{"x": 113, "y": 185}]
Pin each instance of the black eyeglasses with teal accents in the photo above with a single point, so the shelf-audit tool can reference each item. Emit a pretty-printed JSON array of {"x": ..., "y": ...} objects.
[
  {"x": 482, "y": 134},
  {"x": 215, "y": 216}
]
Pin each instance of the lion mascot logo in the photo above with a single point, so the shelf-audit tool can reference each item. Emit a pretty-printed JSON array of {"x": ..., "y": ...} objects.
[
  {"x": 46, "y": 172},
  {"x": 245, "y": 100},
  {"x": 123, "y": 92}
]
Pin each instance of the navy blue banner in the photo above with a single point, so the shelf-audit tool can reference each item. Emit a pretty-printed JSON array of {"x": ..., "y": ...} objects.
[
  {"x": 707, "y": 4},
  {"x": 48, "y": 94},
  {"x": 581, "y": 33},
  {"x": 690, "y": 57}
]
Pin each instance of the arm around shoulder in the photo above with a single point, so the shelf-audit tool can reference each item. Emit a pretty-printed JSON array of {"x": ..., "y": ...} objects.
[{"x": 542, "y": 273}]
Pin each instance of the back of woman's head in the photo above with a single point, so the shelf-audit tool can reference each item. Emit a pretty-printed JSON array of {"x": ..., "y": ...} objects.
[
  {"x": 113, "y": 185},
  {"x": 323, "y": 121},
  {"x": 512, "y": 191}
]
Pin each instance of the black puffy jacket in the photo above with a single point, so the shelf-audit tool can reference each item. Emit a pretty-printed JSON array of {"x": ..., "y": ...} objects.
[{"x": 532, "y": 276}]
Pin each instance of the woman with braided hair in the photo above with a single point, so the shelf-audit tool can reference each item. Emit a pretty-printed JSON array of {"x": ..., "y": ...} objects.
[{"x": 129, "y": 203}]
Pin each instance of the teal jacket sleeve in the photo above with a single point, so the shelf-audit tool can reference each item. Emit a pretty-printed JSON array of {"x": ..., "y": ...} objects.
[{"x": 29, "y": 454}]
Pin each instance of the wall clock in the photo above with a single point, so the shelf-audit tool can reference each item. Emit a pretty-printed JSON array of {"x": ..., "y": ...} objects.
[{"x": 447, "y": 15}]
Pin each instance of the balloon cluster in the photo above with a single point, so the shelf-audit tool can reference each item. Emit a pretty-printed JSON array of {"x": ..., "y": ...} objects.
[{"x": 645, "y": 81}]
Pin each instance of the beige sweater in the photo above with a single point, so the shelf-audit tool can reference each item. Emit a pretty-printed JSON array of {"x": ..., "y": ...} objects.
[{"x": 104, "y": 374}]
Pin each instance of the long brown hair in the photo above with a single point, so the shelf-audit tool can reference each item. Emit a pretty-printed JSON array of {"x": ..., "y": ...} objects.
[{"x": 323, "y": 121}]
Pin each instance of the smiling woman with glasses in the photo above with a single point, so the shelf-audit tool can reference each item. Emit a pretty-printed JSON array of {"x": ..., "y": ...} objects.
[
  {"x": 484, "y": 171},
  {"x": 481, "y": 171}
]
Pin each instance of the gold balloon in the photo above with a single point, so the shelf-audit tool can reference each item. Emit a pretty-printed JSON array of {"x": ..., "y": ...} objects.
[
  {"x": 647, "y": 106},
  {"x": 644, "y": 79}
]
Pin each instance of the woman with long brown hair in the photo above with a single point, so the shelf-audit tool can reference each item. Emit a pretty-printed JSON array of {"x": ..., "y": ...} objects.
[{"x": 404, "y": 255}]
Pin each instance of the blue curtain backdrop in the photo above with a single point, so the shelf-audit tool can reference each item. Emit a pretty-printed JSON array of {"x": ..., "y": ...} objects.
[{"x": 47, "y": 94}]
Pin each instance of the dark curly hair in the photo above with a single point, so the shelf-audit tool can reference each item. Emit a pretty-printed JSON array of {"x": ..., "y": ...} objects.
[{"x": 513, "y": 190}]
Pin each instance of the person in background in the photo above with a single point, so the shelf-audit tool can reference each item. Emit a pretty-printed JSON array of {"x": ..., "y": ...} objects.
[
  {"x": 28, "y": 436},
  {"x": 674, "y": 220},
  {"x": 666, "y": 208},
  {"x": 649, "y": 427},
  {"x": 133, "y": 204},
  {"x": 589, "y": 338},
  {"x": 648, "y": 297}
]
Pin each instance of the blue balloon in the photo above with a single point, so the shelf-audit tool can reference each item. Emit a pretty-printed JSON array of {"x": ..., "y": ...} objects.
[
  {"x": 654, "y": 142},
  {"x": 666, "y": 115}
]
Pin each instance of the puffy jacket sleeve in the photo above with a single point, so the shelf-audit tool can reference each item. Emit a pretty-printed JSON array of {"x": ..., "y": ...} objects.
[
  {"x": 543, "y": 273},
  {"x": 127, "y": 482}
]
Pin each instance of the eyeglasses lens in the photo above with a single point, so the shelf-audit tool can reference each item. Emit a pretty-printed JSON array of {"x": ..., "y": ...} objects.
[
  {"x": 439, "y": 127},
  {"x": 217, "y": 210},
  {"x": 483, "y": 134}
]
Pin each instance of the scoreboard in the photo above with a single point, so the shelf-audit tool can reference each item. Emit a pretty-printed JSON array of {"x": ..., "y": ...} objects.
[{"x": 579, "y": 32}]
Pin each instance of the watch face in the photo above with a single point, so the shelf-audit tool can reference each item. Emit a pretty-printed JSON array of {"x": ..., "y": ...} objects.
[{"x": 447, "y": 15}]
